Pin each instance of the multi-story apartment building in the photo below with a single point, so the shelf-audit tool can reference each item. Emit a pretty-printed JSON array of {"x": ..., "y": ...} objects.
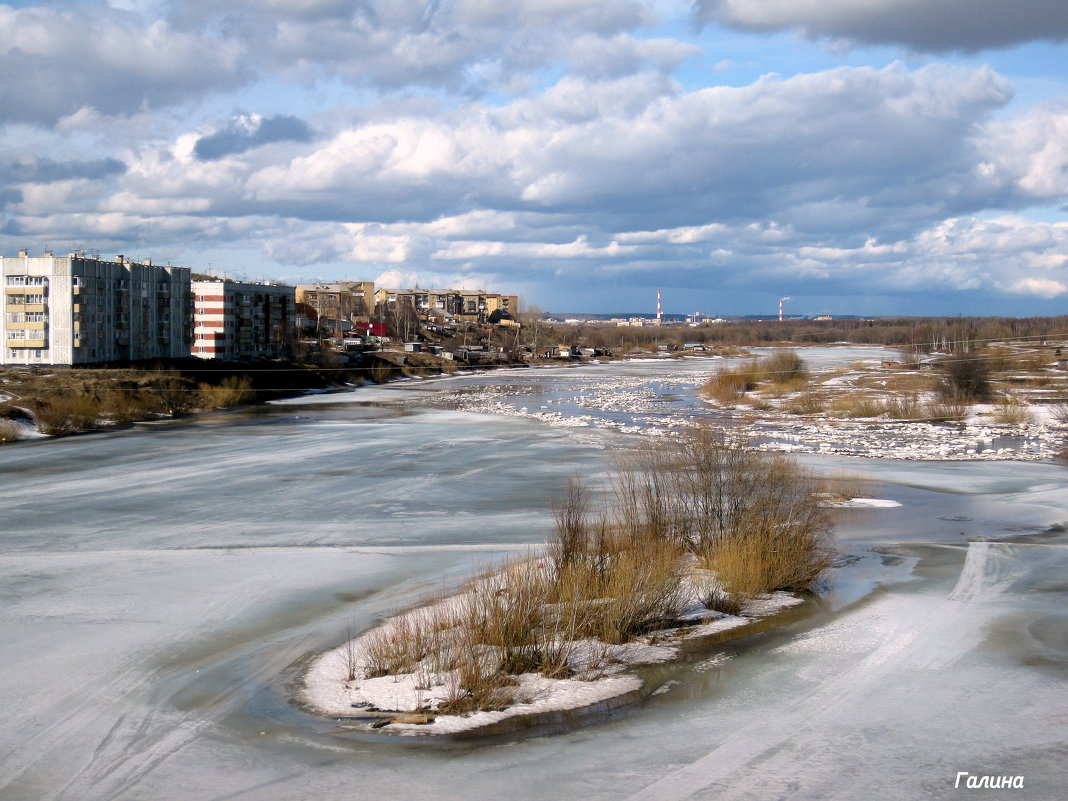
[
  {"x": 472, "y": 305},
  {"x": 507, "y": 304},
  {"x": 338, "y": 305},
  {"x": 241, "y": 322},
  {"x": 74, "y": 310}
]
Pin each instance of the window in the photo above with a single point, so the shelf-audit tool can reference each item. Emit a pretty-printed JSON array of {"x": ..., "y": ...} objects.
[
  {"x": 16, "y": 334},
  {"x": 16, "y": 317},
  {"x": 12, "y": 353},
  {"x": 74, "y": 281},
  {"x": 35, "y": 299}
]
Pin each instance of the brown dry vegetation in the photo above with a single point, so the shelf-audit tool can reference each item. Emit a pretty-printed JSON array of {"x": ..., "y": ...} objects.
[
  {"x": 1011, "y": 411},
  {"x": 943, "y": 394},
  {"x": 778, "y": 374},
  {"x": 231, "y": 391},
  {"x": 704, "y": 506},
  {"x": 67, "y": 401}
]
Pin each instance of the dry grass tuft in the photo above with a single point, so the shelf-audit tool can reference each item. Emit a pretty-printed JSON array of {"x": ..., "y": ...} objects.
[
  {"x": 946, "y": 412},
  {"x": 780, "y": 373},
  {"x": 729, "y": 384},
  {"x": 857, "y": 406},
  {"x": 1011, "y": 411},
  {"x": 806, "y": 403},
  {"x": 66, "y": 414},
  {"x": 231, "y": 391},
  {"x": 10, "y": 431}
]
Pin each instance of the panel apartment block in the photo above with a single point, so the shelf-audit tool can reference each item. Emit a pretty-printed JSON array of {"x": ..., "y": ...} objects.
[
  {"x": 242, "y": 322},
  {"x": 78, "y": 310}
]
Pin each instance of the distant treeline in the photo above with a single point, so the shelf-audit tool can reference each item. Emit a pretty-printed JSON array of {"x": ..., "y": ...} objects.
[{"x": 921, "y": 334}]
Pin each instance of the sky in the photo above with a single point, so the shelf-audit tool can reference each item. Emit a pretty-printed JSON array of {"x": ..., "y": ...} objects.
[{"x": 868, "y": 157}]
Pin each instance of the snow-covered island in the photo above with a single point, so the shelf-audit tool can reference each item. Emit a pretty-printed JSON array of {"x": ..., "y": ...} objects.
[
  {"x": 703, "y": 539},
  {"x": 595, "y": 676}
]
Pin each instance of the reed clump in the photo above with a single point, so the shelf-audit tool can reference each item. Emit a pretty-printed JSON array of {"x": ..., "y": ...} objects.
[
  {"x": 779, "y": 373},
  {"x": 66, "y": 414},
  {"x": 704, "y": 512},
  {"x": 806, "y": 403},
  {"x": 231, "y": 391}
]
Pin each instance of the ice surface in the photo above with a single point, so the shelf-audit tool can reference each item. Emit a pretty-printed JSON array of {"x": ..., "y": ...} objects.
[{"x": 163, "y": 589}]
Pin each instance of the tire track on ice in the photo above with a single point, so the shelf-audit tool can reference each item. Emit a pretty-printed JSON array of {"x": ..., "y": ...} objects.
[{"x": 989, "y": 569}]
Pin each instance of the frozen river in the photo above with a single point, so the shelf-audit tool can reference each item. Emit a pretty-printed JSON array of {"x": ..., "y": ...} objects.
[{"x": 162, "y": 587}]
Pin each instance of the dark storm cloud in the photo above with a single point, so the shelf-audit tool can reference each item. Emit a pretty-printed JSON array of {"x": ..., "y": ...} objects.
[{"x": 925, "y": 25}]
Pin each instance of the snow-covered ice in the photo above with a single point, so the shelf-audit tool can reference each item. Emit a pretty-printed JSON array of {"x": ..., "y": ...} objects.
[{"x": 164, "y": 590}]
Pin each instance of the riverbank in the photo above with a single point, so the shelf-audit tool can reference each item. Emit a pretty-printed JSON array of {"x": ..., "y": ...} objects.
[{"x": 45, "y": 402}]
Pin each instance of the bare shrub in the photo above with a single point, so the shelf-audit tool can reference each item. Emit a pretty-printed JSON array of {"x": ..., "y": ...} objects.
[
  {"x": 121, "y": 406},
  {"x": 946, "y": 412},
  {"x": 383, "y": 372},
  {"x": 570, "y": 538},
  {"x": 1011, "y": 411},
  {"x": 784, "y": 371},
  {"x": 906, "y": 406},
  {"x": 349, "y": 652},
  {"x": 642, "y": 588},
  {"x": 712, "y": 490},
  {"x": 768, "y": 558},
  {"x": 784, "y": 366},
  {"x": 506, "y": 612},
  {"x": 172, "y": 394},
  {"x": 730, "y": 384},
  {"x": 965, "y": 379},
  {"x": 396, "y": 647},
  {"x": 1059, "y": 412},
  {"x": 844, "y": 486},
  {"x": 66, "y": 414}
]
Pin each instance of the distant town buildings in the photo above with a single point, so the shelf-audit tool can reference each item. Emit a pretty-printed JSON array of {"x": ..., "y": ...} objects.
[
  {"x": 242, "y": 322},
  {"x": 84, "y": 310},
  {"x": 77, "y": 309},
  {"x": 336, "y": 305},
  {"x": 461, "y": 304}
]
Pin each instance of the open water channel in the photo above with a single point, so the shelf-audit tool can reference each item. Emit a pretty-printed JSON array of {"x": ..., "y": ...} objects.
[{"x": 161, "y": 588}]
